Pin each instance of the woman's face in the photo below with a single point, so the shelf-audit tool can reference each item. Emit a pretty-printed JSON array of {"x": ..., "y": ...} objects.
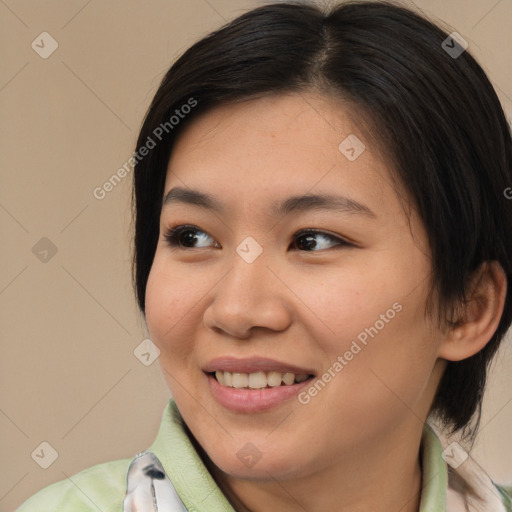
[{"x": 248, "y": 291}]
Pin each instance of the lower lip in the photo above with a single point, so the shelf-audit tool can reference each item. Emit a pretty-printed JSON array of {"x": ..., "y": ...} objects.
[{"x": 253, "y": 400}]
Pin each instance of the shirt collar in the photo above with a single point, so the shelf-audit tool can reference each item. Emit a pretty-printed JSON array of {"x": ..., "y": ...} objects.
[
  {"x": 184, "y": 467},
  {"x": 199, "y": 491},
  {"x": 435, "y": 473}
]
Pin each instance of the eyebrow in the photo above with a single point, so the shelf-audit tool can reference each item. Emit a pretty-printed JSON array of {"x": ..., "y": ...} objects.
[{"x": 292, "y": 204}]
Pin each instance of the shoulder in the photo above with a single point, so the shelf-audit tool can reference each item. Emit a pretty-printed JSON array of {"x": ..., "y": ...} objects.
[
  {"x": 100, "y": 487},
  {"x": 506, "y": 494}
]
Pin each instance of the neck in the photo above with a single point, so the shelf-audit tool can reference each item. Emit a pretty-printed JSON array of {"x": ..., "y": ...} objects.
[{"x": 390, "y": 478}]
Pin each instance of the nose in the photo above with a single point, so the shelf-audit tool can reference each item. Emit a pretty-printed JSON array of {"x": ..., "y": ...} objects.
[{"x": 248, "y": 297}]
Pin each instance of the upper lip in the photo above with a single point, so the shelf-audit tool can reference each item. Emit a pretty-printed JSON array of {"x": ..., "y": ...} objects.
[{"x": 253, "y": 365}]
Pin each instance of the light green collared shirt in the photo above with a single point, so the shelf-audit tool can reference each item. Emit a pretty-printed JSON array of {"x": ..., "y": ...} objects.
[{"x": 103, "y": 487}]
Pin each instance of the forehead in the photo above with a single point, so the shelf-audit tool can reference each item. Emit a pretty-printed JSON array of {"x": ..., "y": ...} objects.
[{"x": 259, "y": 151}]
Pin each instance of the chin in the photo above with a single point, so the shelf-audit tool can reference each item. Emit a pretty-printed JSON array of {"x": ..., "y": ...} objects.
[{"x": 250, "y": 464}]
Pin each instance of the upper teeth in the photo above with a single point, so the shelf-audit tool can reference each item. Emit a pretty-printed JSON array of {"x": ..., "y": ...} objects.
[{"x": 258, "y": 380}]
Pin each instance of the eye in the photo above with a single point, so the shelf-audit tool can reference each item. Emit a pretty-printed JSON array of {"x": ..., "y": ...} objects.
[
  {"x": 310, "y": 240},
  {"x": 187, "y": 236},
  {"x": 314, "y": 240}
]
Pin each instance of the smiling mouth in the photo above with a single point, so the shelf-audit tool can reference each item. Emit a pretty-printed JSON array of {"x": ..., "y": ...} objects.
[{"x": 258, "y": 380}]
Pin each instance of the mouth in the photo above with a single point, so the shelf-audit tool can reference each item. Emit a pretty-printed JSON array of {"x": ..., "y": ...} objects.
[
  {"x": 258, "y": 380},
  {"x": 255, "y": 384}
]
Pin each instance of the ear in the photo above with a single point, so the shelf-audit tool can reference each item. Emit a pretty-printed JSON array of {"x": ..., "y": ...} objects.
[{"x": 480, "y": 316}]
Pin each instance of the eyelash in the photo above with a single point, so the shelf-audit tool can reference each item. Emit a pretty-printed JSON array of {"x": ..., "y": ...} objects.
[{"x": 172, "y": 237}]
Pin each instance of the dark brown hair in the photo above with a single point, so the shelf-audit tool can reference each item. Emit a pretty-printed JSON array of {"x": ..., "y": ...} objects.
[{"x": 436, "y": 114}]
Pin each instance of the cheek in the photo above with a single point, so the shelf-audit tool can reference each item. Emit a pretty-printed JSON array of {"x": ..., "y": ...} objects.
[
  {"x": 375, "y": 322},
  {"x": 343, "y": 301},
  {"x": 388, "y": 376},
  {"x": 170, "y": 301}
]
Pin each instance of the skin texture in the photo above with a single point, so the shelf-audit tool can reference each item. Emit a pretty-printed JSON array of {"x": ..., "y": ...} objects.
[{"x": 355, "y": 445}]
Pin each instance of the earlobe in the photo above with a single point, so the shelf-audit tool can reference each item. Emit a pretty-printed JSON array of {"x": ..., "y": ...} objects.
[{"x": 480, "y": 316}]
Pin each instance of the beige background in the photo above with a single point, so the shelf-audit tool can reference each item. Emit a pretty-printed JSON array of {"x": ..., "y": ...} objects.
[{"x": 69, "y": 325}]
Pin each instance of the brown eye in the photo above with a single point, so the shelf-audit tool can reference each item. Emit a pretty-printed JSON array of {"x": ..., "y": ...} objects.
[
  {"x": 313, "y": 241},
  {"x": 189, "y": 237}
]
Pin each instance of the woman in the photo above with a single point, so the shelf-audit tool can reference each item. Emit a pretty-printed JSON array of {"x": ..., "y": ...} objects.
[{"x": 323, "y": 256}]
